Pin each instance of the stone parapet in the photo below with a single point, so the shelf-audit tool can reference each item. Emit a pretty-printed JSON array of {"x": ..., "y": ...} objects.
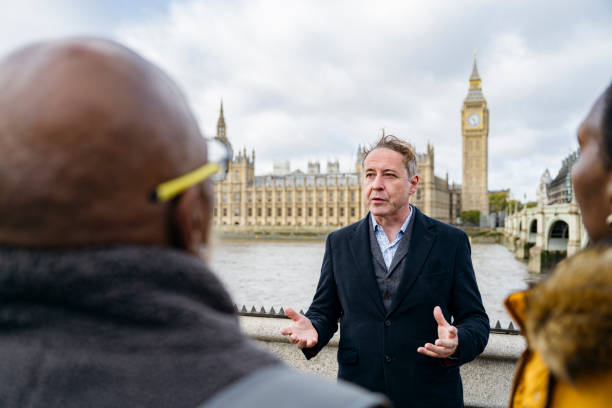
[{"x": 486, "y": 380}]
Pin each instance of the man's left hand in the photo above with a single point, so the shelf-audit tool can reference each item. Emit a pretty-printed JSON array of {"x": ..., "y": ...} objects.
[{"x": 447, "y": 342}]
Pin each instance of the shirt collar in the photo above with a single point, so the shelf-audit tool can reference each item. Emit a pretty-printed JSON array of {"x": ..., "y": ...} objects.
[{"x": 404, "y": 225}]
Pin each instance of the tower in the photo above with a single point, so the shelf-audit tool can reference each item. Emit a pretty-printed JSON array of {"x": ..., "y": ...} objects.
[
  {"x": 221, "y": 129},
  {"x": 231, "y": 194},
  {"x": 359, "y": 160},
  {"x": 475, "y": 131}
]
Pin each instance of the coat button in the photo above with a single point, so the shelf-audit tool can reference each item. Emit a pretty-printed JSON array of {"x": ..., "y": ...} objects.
[
  {"x": 387, "y": 359},
  {"x": 387, "y": 323}
]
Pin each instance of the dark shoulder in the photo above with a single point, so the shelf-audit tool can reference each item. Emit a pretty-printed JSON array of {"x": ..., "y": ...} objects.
[
  {"x": 349, "y": 230},
  {"x": 442, "y": 228}
]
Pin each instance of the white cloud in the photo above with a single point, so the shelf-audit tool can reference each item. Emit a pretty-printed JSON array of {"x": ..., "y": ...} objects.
[
  {"x": 26, "y": 21},
  {"x": 312, "y": 80}
]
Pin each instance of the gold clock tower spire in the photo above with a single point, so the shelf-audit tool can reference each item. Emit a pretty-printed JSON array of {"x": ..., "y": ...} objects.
[{"x": 475, "y": 132}]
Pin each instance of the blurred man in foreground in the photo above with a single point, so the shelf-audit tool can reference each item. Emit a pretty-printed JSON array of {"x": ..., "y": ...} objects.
[{"x": 103, "y": 209}]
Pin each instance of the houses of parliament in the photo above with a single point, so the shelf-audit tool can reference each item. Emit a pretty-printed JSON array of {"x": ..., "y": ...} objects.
[{"x": 333, "y": 199}]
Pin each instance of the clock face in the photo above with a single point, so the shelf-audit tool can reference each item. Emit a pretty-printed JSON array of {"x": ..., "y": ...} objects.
[{"x": 473, "y": 120}]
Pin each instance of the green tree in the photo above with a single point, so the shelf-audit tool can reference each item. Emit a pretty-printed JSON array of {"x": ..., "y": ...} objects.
[
  {"x": 471, "y": 217},
  {"x": 498, "y": 200},
  {"x": 512, "y": 204}
]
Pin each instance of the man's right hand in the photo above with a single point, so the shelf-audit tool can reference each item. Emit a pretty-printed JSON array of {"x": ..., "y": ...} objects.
[{"x": 301, "y": 331}]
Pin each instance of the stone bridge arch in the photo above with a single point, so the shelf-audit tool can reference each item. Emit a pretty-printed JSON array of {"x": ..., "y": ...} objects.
[
  {"x": 557, "y": 234},
  {"x": 519, "y": 229},
  {"x": 532, "y": 232},
  {"x": 546, "y": 234}
]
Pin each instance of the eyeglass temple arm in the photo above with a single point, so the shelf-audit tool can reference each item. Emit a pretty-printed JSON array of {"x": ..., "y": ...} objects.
[{"x": 171, "y": 188}]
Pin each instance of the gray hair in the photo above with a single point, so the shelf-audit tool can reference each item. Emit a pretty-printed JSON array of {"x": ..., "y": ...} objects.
[{"x": 397, "y": 145}]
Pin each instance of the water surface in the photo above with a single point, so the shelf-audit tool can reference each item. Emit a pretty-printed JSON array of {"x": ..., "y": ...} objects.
[{"x": 285, "y": 273}]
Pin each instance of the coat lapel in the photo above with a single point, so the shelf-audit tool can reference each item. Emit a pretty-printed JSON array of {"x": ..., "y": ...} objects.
[
  {"x": 374, "y": 248},
  {"x": 421, "y": 242},
  {"x": 360, "y": 247}
]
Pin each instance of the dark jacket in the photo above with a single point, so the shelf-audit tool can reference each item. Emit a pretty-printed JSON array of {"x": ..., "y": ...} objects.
[
  {"x": 378, "y": 347},
  {"x": 122, "y": 327},
  {"x": 567, "y": 322}
]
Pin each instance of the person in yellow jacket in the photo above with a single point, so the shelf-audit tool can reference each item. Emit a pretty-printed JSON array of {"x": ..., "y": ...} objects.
[{"x": 567, "y": 319}]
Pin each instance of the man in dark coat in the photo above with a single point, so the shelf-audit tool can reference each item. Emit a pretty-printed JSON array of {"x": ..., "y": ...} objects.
[
  {"x": 103, "y": 299},
  {"x": 382, "y": 278}
]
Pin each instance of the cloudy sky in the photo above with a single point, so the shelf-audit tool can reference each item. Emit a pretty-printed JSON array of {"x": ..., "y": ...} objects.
[{"x": 311, "y": 80}]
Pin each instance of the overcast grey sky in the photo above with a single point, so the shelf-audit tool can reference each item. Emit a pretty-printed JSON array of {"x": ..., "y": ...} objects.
[{"x": 311, "y": 80}]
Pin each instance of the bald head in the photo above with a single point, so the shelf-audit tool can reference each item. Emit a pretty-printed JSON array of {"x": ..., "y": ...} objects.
[{"x": 87, "y": 129}]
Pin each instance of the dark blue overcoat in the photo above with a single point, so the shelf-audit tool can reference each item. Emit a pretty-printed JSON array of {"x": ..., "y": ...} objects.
[{"x": 378, "y": 347}]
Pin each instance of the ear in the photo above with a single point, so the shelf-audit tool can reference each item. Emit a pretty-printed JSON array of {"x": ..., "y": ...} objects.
[
  {"x": 188, "y": 218},
  {"x": 414, "y": 183}
]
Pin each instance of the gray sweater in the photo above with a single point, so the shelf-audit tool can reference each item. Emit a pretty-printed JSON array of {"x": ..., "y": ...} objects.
[{"x": 116, "y": 327}]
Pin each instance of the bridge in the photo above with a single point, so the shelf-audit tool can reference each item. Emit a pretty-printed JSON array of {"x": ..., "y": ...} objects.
[{"x": 545, "y": 234}]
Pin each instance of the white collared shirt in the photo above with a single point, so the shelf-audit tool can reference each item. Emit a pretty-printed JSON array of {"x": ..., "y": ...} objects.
[{"x": 387, "y": 248}]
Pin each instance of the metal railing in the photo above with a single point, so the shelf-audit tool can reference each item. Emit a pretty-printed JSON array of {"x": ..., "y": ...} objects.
[{"x": 280, "y": 314}]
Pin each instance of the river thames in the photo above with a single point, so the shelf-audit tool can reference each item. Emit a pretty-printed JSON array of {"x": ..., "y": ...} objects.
[{"x": 285, "y": 273}]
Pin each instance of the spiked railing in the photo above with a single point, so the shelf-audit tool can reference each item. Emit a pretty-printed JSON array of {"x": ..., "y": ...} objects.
[{"x": 280, "y": 314}]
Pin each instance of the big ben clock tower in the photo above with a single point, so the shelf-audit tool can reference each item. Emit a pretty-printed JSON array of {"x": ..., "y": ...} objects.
[{"x": 475, "y": 131}]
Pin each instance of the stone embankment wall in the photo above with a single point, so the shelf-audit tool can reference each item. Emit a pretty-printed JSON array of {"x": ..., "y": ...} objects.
[
  {"x": 317, "y": 233},
  {"x": 477, "y": 235},
  {"x": 486, "y": 380}
]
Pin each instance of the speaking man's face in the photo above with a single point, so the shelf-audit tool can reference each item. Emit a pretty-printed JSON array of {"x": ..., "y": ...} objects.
[{"x": 387, "y": 187}]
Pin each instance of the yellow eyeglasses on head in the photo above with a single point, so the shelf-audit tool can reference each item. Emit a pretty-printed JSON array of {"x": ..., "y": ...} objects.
[{"x": 219, "y": 154}]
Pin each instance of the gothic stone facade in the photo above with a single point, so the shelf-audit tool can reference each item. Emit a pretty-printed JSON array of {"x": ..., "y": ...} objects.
[
  {"x": 295, "y": 199},
  {"x": 433, "y": 195},
  {"x": 299, "y": 199}
]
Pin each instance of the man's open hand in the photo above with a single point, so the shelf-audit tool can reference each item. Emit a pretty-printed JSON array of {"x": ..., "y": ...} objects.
[
  {"x": 447, "y": 341},
  {"x": 301, "y": 331}
]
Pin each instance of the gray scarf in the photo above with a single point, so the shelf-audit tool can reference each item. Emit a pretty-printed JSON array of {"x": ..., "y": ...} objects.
[{"x": 124, "y": 326}]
